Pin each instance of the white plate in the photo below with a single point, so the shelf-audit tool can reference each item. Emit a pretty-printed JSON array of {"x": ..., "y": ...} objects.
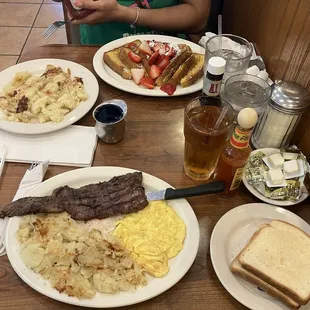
[
  {"x": 37, "y": 67},
  {"x": 179, "y": 265},
  {"x": 115, "y": 80},
  {"x": 256, "y": 193},
  {"x": 231, "y": 234}
]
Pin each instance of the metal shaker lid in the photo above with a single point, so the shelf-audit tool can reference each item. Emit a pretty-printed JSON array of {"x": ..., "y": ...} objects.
[{"x": 289, "y": 97}]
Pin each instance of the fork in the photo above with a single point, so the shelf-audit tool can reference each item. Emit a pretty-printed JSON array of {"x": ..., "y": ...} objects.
[
  {"x": 33, "y": 165},
  {"x": 52, "y": 28}
]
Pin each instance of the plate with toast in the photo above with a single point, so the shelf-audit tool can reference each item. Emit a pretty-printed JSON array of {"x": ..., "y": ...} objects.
[
  {"x": 260, "y": 254},
  {"x": 151, "y": 65}
]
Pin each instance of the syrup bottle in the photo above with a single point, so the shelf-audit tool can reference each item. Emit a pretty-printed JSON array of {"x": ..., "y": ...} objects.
[{"x": 235, "y": 152}]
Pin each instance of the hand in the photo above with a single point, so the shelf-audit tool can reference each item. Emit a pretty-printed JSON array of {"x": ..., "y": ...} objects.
[{"x": 105, "y": 11}]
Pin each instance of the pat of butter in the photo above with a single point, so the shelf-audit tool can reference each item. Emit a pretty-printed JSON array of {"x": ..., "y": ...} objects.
[
  {"x": 290, "y": 156},
  {"x": 275, "y": 177},
  {"x": 291, "y": 167},
  {"x": 276, "y": 161}
]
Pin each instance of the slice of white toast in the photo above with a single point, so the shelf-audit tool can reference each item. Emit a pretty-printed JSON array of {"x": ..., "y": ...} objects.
[
  {"x": 279, "y": 254},
  {"x": 239, "y": 271}
]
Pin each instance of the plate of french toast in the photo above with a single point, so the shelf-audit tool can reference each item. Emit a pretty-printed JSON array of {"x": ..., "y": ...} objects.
[
  {"x": 151, "y": 65},
  {"x": 260, "y": 254}
]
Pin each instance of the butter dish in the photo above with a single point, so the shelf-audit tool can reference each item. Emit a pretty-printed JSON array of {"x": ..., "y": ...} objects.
[{"x": 293, "y": 169}]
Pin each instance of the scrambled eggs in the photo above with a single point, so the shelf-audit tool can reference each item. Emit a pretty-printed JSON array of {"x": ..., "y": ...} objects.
[
  {"x": 152, "y": 236},
  {"x": 49, "y": 97}
]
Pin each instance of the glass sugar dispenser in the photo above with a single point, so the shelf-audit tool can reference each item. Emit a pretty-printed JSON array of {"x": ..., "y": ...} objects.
[{"x": 288, "y": 102}]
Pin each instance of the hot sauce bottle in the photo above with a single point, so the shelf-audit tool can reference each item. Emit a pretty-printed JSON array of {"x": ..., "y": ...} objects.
[{"x": 235, "y": 152}]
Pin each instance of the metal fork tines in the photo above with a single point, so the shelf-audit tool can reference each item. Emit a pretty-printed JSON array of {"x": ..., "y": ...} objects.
[
  {"x": 33, "y": 165},
  {"x": 52, "y": 28}
]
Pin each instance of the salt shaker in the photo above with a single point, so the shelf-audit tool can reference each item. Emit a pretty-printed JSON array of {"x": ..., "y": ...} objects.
[{"x": 288, "y": 102}]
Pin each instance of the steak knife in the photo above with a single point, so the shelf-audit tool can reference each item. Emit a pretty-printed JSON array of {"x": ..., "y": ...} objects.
[{"x": 170, "y": 193}]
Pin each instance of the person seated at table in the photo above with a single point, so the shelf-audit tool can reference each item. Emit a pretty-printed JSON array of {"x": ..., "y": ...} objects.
[{"x": 114, "y": 19}]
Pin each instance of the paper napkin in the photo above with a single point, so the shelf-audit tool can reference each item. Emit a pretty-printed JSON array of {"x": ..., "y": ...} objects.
[
  {"x": 31, "y": 180},
  {"x": 72, "y": 146}
]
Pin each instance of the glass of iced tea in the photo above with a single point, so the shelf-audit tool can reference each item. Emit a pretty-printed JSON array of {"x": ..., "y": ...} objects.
[{"x": 207, "y": 124}]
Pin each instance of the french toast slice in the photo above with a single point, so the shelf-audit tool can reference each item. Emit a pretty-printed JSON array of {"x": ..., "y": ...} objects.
[
  {"x": 145, "y": 63},
  {"x": 184, "y": 52},
  {"x": 195, "y": 73},
  {"x": 123, "y": 55},
  {"x": 112, "y": 59},
  {"x": 182, "y": 70}
]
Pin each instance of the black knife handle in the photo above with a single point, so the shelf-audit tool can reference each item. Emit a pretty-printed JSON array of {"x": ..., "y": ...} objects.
[{"x": 209, "y": 188}]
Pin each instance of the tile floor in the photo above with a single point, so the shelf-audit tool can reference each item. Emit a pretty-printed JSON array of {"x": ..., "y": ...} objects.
[{"x": 22, "y": 23}]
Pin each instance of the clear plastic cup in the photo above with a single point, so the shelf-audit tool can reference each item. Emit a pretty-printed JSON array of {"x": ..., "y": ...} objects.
[
  {"x": 235, "y": 50},
  {"x": 246, "y": 91}
]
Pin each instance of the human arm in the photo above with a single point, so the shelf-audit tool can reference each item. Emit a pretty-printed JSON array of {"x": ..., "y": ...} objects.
[{"x": 190, "y": 16}]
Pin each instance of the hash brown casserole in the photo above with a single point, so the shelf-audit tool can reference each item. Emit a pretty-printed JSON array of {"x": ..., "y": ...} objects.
[{"x": 49, "y": 97}]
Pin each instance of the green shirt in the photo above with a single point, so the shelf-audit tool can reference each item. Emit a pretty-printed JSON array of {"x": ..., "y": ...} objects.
[{"x": 107, "y": 32}]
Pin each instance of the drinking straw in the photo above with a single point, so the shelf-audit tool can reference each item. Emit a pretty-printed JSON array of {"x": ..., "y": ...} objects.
[
  {"x": 219, "y": 30},
  {"x": 219, "y": 120},
  {"x": 219, "y": 25}
]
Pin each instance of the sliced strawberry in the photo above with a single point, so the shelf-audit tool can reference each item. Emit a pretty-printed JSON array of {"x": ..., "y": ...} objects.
[
  {"x": 159, "y": 59},
  {"x": 169, "y": 89},
  {"x": 134, "y": 57},
  {"x": 132, "y": 46},
  {"x": 164, "y": 62},
  {"x": 155, "y": 72},
  {"x": 160, "y": 47},
  {"x": 137, "y": 75},
  {"x": 153, "y": 58},
  {"x": 147, "y": 82},
  {"x": 145, "y": 48}
]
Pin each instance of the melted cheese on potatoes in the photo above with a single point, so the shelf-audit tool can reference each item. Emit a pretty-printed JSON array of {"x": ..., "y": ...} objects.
[
  {"x": 45, "y": 98},
  {"x": 152, "y": 236}
]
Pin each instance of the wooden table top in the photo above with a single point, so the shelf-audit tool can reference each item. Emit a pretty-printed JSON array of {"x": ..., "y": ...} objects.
[{"x": 153, "y": 143}]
